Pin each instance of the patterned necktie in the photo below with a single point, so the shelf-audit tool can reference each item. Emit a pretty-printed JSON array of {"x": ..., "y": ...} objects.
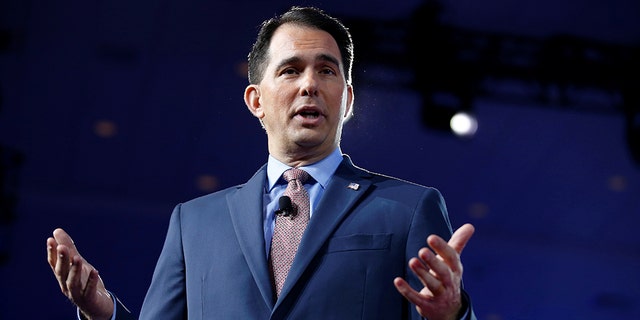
[{"x": 289, "y": 228}]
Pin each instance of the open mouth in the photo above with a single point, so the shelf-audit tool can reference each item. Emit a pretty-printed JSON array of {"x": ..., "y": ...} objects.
[{"x": 309, "y": 114}]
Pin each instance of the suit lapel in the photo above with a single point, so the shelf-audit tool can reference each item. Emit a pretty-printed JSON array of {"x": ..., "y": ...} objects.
[
  {"x": 346, "y": 186},
  {"x": 245, "y": 207}
]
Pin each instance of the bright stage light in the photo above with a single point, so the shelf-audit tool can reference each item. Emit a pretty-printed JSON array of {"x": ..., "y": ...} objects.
[{"x": 464, "y": 124}]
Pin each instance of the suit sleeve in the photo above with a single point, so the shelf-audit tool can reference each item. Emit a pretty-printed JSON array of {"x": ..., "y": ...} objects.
[
  {"x": 166, "y": 297},
  {"x": 431, "y": 217}
]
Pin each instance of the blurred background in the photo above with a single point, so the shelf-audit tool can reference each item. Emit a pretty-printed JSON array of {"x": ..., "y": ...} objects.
[{"x": 112, "y": 112}]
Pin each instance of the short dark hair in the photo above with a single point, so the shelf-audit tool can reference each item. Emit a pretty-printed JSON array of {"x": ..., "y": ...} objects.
[{"x": 306, "y": 16}]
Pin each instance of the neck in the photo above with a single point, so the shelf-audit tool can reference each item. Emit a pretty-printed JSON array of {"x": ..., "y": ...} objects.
[{"x": 301, "y": 156}]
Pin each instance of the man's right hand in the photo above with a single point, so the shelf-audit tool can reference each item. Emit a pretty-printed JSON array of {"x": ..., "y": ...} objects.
[{"x": 78, "y": 280}]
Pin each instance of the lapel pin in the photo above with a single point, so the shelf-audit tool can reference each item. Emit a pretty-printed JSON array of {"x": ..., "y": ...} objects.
[{"x": 353, "y": 186}]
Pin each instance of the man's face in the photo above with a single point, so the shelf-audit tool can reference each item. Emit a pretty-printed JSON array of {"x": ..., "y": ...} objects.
[{"x": 303, "y": 97}]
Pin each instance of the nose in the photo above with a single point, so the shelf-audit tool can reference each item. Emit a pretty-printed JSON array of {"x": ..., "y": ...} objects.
[{"x": 309, "y": 86}]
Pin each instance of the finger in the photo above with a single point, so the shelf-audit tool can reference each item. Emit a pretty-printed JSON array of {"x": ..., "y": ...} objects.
[
  {"x": 91, "y": 288},
  {"x": 450, "y": 251},
  {"x": 74, "y": 280},
  {"x": 445, "y": 252},
  {"x": 62, "y": 267},
  {"x": 52, "y": 253},
  {"x": 420, "y": 270},
  {"x": 439, "y": 274},
  {"x": 408, "y": 292}
]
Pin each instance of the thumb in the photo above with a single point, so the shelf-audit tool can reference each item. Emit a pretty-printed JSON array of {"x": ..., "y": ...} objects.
[
  {"x": 461, "y": 236},
  {"x": 63, "y": 238}
]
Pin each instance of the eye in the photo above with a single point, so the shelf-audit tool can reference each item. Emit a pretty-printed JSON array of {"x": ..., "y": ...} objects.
[
  {"x": 289, "y": 71},
  {"x": 328, "y": 71}
]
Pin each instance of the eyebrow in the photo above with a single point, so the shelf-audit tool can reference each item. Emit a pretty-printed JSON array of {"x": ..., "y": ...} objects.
[{"x": 320, "y": 57}]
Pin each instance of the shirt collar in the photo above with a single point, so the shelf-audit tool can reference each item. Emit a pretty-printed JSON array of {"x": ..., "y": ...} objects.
[{"x": 320, "y": 171}]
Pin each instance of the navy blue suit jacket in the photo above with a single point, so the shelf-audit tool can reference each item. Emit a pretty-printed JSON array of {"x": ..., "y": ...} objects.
[{"x": 213, "y": 264}]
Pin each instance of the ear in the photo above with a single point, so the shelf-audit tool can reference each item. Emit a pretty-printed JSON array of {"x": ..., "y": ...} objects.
[
  {"x": 252, "y": 100},
  {"x": 348, "y": 111}
]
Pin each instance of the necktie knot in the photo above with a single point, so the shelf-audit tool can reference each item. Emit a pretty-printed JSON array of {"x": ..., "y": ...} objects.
[{"x": 296, "y": 174}]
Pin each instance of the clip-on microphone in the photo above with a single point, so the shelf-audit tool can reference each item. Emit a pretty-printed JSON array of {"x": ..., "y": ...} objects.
[{"x": 286, "y": 207}]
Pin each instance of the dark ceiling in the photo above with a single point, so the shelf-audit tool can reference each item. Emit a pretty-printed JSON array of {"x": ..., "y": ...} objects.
[{"x": 112, "y": 112}]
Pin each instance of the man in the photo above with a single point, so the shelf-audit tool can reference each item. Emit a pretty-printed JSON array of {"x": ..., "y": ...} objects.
[{"x": 354, "y": 260}]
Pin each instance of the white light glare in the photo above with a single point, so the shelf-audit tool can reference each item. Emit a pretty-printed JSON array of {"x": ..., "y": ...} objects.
[{"x": 463, "y": 124}]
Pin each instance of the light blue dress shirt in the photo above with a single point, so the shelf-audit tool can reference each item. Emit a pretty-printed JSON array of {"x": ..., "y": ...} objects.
[{"x": 320, "y": 173}]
